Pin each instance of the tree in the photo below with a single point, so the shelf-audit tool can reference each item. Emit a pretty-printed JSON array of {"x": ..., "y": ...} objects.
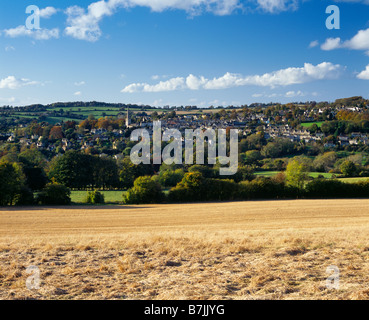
[
  {"x": 252, "y": 157},
  {"x": 191, "y": 188},
  {"x": 145, "y": 190},
  {"x": 56, "y": 133},
  {"x": 279, "y": 148},
  {"x": 296, "y": 174},
  {"x": 348, "y": 168},
  {"x": 54, "y": 194},
  {"x": 129, "y": 172},
  {"x": 33, "y": 167},
  {"x": 32, "y": 158},
  {"x": 73, "y": 170},
  {"x": 170, "y": 178},
  {"x": 105, "y": 173},
  {"x": 12, "y": 181},
  {"x": 205, "y": 171},
  {"x": 325, "y": 162}
]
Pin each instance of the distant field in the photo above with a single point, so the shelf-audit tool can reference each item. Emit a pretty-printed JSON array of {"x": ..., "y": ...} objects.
[
  {"x": 99, "y": 112},
  {"x": 311, "y": 174},
  {"x": 354, "y": 180},
  {"x": 317, "y": 174},
  {"x": 314, "y": 175},
  {"x": 266, "y": 173},
  {"x": 233, "y": 250},
  {"x": 309, "y": 124},
  {"x": 110, "y": 196}
]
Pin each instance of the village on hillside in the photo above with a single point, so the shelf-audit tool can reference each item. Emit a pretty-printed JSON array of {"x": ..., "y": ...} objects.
[{"x": 310, "y": 123}]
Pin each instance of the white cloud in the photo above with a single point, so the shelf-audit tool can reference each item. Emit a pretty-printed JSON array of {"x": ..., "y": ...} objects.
[
  {"x": 41, "y": 34},
  {"x": 292, "y": 94},
  {"x": 364, "y": 75},
  {"x": 81, "y": 83},
  {"x": 331, "y": 44},
  {"x": 84, "y": 24},
  {"x": 276, "y": 6},
  {"x": 47, "y": 12},
  {"x": 283, "y": 77},
  {"x": 358, "y": 42},
  {"x": 257, "y": 95},
  {"x": 12, "y": 82},
  {"x": 313, "y": 44},
  {"x": 195, "y": 83},
  {"x": 78, "y": 93},
  {"x": 157, "y": 76},
  {"x": 169, "y": 85}
]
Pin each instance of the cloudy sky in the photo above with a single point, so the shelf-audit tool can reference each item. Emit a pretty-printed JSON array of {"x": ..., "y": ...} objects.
[{"x": 183, "y": 52}]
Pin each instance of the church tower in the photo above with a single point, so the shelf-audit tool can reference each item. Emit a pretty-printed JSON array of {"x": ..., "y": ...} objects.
[{"x": 128, "y": 119}]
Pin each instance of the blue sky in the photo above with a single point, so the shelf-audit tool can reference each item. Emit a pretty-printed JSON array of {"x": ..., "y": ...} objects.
[{"x": 183, "y": 52}]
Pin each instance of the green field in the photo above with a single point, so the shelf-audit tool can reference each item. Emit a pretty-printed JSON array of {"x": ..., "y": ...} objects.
[
  {"x": 314, "y": 175},
  {"x": 309, "y": 124},
  {"x": 317, "y": 174},
  {"x": 76, "y": 113},
  {"x": 266, "y": 173},
  {"x": 110, "y": 196},
  {"x": 311, "y": 174}
]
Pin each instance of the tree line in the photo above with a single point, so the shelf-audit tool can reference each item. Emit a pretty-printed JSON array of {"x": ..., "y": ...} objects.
[{"x": 28, "y": 178}]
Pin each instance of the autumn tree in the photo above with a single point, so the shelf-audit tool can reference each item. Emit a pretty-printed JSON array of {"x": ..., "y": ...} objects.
[
  {"x": 296, "y": 174},
  {"x": 56, "y": 133}
]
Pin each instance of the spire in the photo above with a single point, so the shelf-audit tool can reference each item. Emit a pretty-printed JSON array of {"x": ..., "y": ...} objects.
[{"x": 128, "y": 119}]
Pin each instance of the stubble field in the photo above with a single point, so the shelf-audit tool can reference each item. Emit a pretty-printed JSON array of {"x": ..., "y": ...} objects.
[{"x": 235, "y": 250}]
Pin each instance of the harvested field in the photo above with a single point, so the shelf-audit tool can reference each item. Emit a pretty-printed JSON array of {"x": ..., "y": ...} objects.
[{"x": 235, "y": 250}]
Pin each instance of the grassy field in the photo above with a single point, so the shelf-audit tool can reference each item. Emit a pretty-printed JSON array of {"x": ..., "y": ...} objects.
[
  {"x": 100, "y": 111},
  {"x": 309, "y": 124},
  {"x": 235, "y": 250},
  {"x": 354, "y": 180},
  {"x": 111, "y": 197},
  {"x": 311, "y": 174}
]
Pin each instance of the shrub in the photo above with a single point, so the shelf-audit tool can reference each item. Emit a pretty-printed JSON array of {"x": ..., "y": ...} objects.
[
  {"x": 205, "y": 171},
  {"x": 327, "y": 188},
  {"x": 362, "y": 189},
  {"x": 145, "y": 190},
  {"x": 24, "y": 197},
  {"x": 95, "y": 197},
  {"x": 170, "y": 178},
  {"x": 54, "y": 194},
  {"x": 266, "y": 188},
  {"x": 243, "y": 173},
  {"x": 190, "y": 189},
  {"x": 220, "y": 190}
]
